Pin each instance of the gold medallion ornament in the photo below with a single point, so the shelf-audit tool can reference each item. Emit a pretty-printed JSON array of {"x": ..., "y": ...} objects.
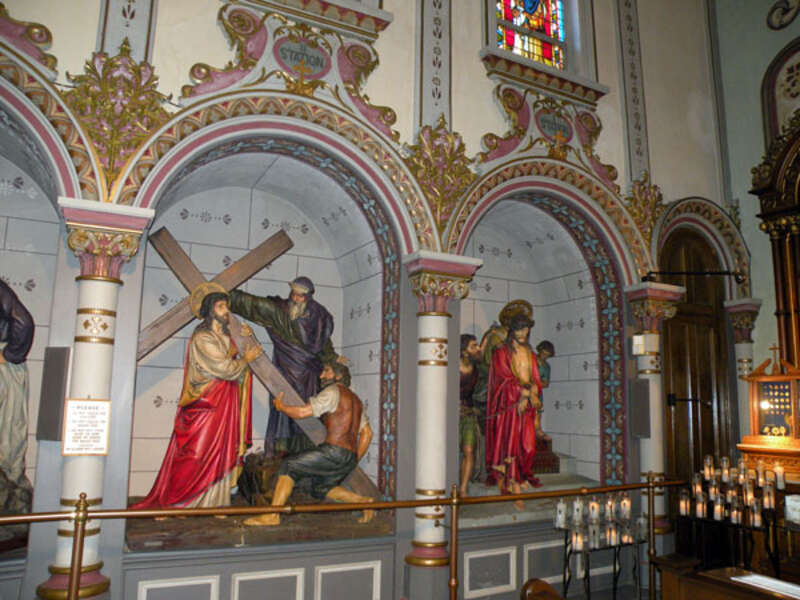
[{"x": 200, "y": 292}]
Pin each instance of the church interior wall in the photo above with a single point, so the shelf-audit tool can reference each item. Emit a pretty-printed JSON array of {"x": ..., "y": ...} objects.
[
  {"x": 528, "y": 255},
  {"x": 745, "y": 53},
  {"x": 678, "y": 94},
  {"x": 346, "y": 271},
  {"x": 390, "y": 83},
  {"x": 29, "y": 241}
]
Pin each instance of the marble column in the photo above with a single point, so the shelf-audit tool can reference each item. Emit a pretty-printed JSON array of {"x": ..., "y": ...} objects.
[
  {"x": 742, "y": 314},
  {"x": 103, "y": 237},
  {"x": 652, "y": 303},
  {"x": 436, "y": 279}
]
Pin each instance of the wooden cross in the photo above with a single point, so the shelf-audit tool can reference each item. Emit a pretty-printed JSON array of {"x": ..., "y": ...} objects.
[{"x": 180, "y": 315}]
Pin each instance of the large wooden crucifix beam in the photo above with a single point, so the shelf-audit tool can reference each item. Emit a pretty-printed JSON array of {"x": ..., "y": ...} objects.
[{"x": 180, "y": 315}]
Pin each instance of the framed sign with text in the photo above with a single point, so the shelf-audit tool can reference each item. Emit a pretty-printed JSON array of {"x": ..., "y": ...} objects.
[{"x": 86, "y": 427}]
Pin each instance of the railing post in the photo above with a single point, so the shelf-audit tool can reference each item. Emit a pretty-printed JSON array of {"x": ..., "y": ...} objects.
[
  {"x": 651, "y": 532},
  {"x": 81, "y": 516},
  {"x": 454, "y": 543}
]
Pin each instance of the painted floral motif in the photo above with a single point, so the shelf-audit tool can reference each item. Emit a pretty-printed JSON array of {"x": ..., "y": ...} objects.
[
  {"x": 117, "y": 101},
  {"x": 441, "y": 168}
]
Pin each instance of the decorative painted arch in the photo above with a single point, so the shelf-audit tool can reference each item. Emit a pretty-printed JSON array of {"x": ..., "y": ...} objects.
[
  {"x": 585, "y": 192},
  {"x": 709, "y": 220},
  {"x": 39, "y": 105},
  {"x": 608, "y": 287},
  {"x": 613, "y": 250},
  {"x": 310, "y": 121},
  {"x": 274, "y": 140}
]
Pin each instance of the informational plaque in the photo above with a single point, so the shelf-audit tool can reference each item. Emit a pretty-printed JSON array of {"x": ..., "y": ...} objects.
[{"x": 86, "y": 427}]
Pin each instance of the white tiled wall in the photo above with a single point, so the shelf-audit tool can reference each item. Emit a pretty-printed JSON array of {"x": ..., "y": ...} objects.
[
  {"x": 29, "y": 238},
  {"x": 215, "y": 233},
  {"x": 546, "y": 268}
]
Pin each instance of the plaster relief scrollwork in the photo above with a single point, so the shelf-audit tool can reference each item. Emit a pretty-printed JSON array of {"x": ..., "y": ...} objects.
[
  {"x": 117, "y": 101},
  {"x": 30, "y": 38},
  {"x": 646, "y": 205},
  {"x": 441, "y": 168},
  {"x": 247, "y": 35},
  {"x": 279, "y": 53},
  {"x": 782, "y": 13},
  {"x": 435, "y": 290},
  {"x": 102, "y": 253}
]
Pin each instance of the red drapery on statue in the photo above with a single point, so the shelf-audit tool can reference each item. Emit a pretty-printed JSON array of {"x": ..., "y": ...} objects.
[
  {"x": 510, "y": 436},
  {"x": 206, "y": 445}
]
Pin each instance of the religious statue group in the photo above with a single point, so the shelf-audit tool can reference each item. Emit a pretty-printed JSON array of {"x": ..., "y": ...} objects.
[
  {"x": 213, "y": 427},
  {"x": 502, "y": 380}
]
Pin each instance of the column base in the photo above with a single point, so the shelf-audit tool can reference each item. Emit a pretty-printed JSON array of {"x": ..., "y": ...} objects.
[
  {"x": 428, "y": 554},
  {"x": 92, "y": 583}
]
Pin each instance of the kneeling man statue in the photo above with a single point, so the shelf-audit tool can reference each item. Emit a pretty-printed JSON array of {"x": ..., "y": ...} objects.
[{"x": 328, "y": 465}]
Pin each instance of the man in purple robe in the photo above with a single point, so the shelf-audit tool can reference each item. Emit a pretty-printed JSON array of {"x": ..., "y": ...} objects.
[{"x": 300, "y": 329}]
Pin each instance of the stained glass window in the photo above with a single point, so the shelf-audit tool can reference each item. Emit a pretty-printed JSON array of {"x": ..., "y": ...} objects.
[{"x": 533, "y": 29}]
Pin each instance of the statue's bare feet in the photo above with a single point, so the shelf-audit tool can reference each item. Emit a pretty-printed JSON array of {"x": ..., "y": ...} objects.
[
  {"x": 267, "y": 519},
  {"x": 462, "y": 491},
  {"x": 519, "y": 505},
  {"x": 543, "y": 436},
  {"x": 368, "y": 514}
]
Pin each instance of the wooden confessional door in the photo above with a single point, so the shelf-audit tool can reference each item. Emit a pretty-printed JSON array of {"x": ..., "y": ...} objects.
[{"x": 695, "y": 360}]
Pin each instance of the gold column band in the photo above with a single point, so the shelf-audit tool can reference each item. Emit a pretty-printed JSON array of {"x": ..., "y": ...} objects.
[
  {"x": 97, "y": 311},
  {"x": 425, "y": 516},
  {"x": 421, "y": 492},
  {"x": 649, "y": 353},
  {"x": 432, "y": 363},
  {"x": 71, "y": 533},
  {"x": 434, "y": 314},
  {"x": 416, "y": 561},
  {"x": 84, "y": 569},
  {"x": 99, "y": 278},
  {"x": 649, "y": 372},
  {"x": 87, "y": 591},
  {"x": 87, "y": 339},
  {"x": 432, "y": 340},
  {"x": 422, "y": 545}
]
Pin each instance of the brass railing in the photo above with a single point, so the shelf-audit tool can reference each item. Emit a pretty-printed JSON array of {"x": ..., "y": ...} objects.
[{"x": 82, "y": 514}]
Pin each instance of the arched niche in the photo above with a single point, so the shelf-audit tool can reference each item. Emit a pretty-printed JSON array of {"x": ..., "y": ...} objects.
[
  {"x": 30, "y": 229},
  {"x": 226, "y": 199},
  {"x": 538, "y": 246}
]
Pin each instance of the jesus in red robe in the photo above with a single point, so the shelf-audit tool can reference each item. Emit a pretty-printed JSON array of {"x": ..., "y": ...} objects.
[
  {"x": 513, "y": 398},
  {"x": 212, "y": 428}
]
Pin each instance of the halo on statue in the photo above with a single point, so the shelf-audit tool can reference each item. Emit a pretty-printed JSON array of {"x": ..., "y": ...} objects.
[
  {"x": 514, "y": 308},
  {"x": 200, "y": 292}
]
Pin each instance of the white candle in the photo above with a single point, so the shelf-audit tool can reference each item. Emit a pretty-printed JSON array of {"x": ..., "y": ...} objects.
[
  {"x": 594, "y": 510},
  {"x": 756, "y": 513},
  {"x": 708, "y": 467},
  {"x": 697, "y": 484},
  {"x": 730, "y": 494},
  {"x": 725, "y": 464},
  {"x": 736, "y": 511},
  {"x": 577, "y": 541},
  {"x": 577, "y": 511},
  {"x": 769, "y": 496},
  {"x": 742, "y": 470},
  {"x": 700, "y": 506},
  {"x": 761, "y": 472},
  {"x": 612, "y": 537},
  {"x": 611, "y": 508},
  {"x": 560, "y": 520},
  {"x": 684, "y": 503},
  {"x": 719, "y": 509},
  {"x": 749, "y": 494},
  {"x": 594, "y": 536},
  {"x": 780, "y": 478},
  {"x": 625, "y": 507},
  {"x": 713, "y": 489}
]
